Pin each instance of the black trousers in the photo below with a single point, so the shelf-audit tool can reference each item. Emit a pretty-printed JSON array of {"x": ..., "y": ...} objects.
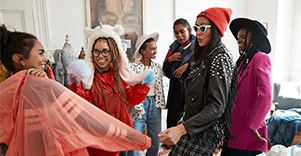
[
  {"x": 176, "y": 107},
  {"x": 238, "y": 152}
]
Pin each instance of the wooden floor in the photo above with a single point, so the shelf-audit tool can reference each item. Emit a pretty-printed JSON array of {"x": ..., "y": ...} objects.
[{"x": 162, "y": 152}]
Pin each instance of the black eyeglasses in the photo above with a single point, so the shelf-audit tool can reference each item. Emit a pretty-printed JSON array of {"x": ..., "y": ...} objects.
[
  {"x": 202, "y": 28},
  {"x": 104, "y": 53}
]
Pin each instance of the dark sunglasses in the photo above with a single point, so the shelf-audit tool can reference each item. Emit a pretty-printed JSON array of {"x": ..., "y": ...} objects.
[
  {"x": 104, "y": 53},
  {"x": 202, "y": 28}
]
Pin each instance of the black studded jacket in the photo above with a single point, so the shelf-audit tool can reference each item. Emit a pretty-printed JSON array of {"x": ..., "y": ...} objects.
[{"x": 207, "y": 91}]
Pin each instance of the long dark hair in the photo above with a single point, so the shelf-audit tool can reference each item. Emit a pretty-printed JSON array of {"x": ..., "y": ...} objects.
[
  {"x": 248, "y": 53},
  {"x": 201, "y": 52},
  {"x": 183, "y": 22},
  {"x": 115, "y": 62},
  {"x": 14, "y": 43}
]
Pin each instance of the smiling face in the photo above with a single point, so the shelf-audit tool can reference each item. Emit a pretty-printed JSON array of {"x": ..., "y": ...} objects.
[
  {"x": 102, "y": 62},
  {"x": 182, "y": 34},
  {"x": 37, "y": 57},
  {"x": 241, "y": 39},
  {"x": 150, "y": 51},
  {"x": 203, "y": 38}
]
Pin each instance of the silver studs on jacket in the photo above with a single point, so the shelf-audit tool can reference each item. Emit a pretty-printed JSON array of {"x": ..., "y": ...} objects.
[{"x": 222, "y": 66}]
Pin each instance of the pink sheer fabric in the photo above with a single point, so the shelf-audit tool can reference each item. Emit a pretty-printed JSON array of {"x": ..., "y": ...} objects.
[{"x": 39, "y": 116}]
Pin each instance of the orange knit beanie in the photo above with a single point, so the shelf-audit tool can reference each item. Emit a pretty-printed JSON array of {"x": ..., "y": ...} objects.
[{"x": 219, "y": 16}]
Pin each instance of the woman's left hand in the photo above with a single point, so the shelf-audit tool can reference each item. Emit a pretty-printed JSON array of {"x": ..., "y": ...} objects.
[
  {"x": 36, "y": 72},
  {"x": 178, "y": 72},
  {"x": 172, "y": 135},
  {"x": 255, "y": 132}
]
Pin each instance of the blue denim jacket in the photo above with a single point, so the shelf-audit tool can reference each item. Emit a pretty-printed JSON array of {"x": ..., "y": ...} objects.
[{"x": 62, "y": 62}]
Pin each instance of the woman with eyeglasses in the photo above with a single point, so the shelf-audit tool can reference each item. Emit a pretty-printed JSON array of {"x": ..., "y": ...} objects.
[
  {"x": 209, "y": 91},
  {"x": 113, "y": 86},
  {"x": 176, "y": 67}
]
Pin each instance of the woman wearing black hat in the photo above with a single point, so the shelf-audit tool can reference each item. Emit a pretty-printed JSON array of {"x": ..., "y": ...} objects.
[
  {"x": 254, "y": 88},
  {"x": 209, "y": 90}
]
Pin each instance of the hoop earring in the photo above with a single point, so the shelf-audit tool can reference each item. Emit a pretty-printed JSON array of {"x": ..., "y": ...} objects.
[
  {"x": 22, "y": 64},
  {"x": 250, "y": 46}
]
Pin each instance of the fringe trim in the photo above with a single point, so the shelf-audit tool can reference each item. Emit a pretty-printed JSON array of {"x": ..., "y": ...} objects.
[
  {"x": 226, "y": 118},
  {"x": 220, "y": 131},
  {"x": 213, "y": 136}
]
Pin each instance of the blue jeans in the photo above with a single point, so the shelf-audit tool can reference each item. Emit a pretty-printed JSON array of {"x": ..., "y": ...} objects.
[{"x": 152, "y": 119}]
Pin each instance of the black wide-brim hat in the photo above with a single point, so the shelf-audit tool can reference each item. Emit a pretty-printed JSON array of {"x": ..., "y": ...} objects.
[{"x": 239, "y": 23}]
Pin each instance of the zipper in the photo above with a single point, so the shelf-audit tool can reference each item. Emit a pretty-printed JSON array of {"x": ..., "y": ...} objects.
[{"x": 197, "y": 74}]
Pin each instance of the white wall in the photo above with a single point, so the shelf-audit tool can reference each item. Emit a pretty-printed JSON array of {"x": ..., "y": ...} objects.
[
  {"x": 295, "y": 54},
  {"x": 283, "y": 40},
  {"x": 158, "y": 16},
  {"x": 66, "y": 17},
  {"x": 265, "y": 11}
]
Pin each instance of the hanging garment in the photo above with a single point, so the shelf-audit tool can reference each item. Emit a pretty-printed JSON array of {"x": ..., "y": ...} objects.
[
  {"x": 62, "y": 62},
  {"x": 41, "y": 117}
]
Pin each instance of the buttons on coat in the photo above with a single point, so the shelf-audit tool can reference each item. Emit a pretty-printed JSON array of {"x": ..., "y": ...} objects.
[{"x": 193, "y": 97}]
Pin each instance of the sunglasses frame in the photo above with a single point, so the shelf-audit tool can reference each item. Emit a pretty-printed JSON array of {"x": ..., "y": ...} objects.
[
  {"x": 104, "y": 52},
  {"x": 199, "y": 28}
]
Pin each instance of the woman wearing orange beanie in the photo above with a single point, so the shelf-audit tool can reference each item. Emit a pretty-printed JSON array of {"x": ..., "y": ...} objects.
[{"x": 209, "y": 90}]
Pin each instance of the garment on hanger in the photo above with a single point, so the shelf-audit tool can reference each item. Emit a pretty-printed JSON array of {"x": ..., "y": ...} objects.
[{"x": 62, "y": 62}]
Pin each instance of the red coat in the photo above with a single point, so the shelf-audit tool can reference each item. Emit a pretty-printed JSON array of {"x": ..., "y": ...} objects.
[
  {"x": 113, "y": 104},
  {"x": 254, "y": 99}
]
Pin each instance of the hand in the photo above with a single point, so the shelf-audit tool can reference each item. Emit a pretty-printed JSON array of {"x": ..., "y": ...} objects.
[
  {"x": 77, "y": 82},
  {"x": 172, "y": 135},
  {"x": 175, "y": 57},
  {"x": 178, "y": 72},
  {"x": 255, "y": 132},
  {"x": 36, "y": 72}
]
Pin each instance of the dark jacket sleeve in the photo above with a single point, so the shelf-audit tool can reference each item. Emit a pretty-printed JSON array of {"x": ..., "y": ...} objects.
[
  {"x": 216, "y": 97},
  {"x": 167, "y": 67}
]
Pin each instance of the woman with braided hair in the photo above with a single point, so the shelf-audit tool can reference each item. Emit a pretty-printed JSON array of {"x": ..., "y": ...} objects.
[
  {"x": 112, "y": 86},
  {"x": 253, "y": 100}
]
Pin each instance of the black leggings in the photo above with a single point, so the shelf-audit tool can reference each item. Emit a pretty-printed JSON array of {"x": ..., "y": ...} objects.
[{"x": 238, "y": 152}]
